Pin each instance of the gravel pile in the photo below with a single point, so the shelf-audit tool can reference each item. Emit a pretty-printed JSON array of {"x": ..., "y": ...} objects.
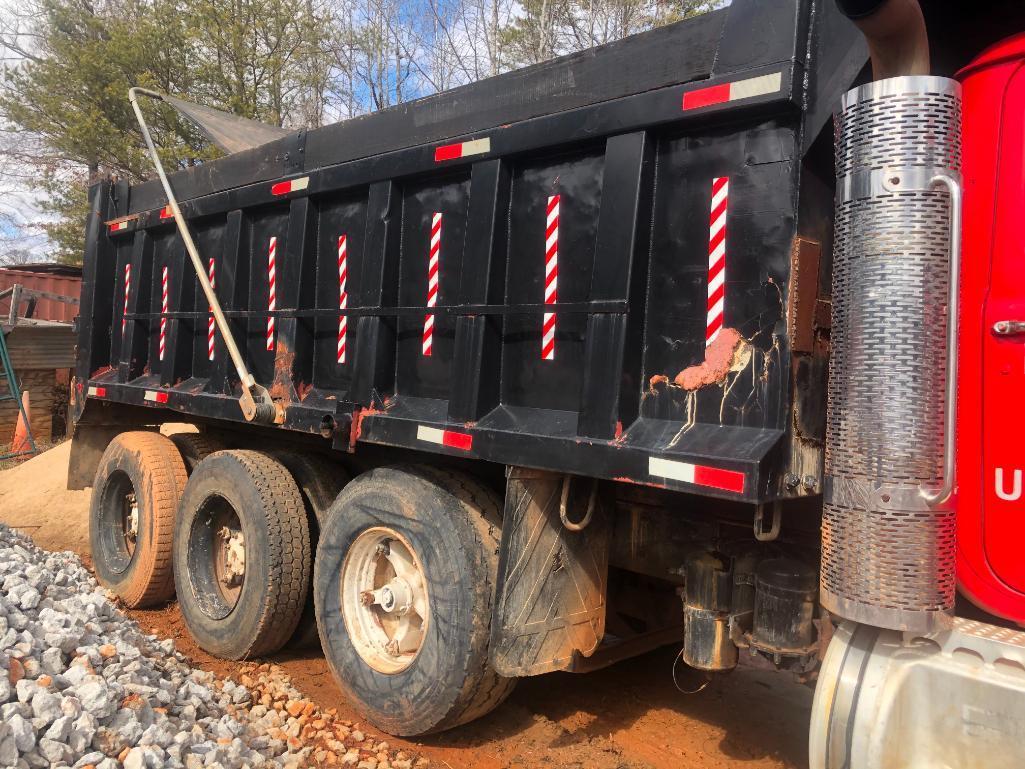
[{"x": 82, "y": 686}]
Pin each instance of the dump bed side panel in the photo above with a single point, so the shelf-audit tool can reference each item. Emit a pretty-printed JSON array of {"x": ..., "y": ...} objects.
[{"x": 602, "y": 290}]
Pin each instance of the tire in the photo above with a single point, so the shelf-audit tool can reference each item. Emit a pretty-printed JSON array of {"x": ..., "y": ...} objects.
[
  {"x": 195, "y": 447},
  {"x": 252, "y": 493},
  {"x": 451, "y": 525},
  {"x": 148, "y": 466},
  {"x": 320, "y": 481}
]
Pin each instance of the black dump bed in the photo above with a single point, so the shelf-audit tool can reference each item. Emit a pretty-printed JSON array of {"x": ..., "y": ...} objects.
[{"x": 606, "y": 265}]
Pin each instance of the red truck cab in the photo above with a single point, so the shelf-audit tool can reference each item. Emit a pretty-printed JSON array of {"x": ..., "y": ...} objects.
[{"x": 991, "y": 424}]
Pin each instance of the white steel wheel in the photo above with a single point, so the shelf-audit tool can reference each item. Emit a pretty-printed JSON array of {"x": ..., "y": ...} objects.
[
  {"x": 404, "y": 582},
  {"x": 383, "y": 598}
]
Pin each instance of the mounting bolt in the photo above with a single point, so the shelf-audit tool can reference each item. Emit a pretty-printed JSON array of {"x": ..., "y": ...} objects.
[
  {"x": 792, "y": 481},
  {"x": 810, "y": 482},
  {"x": 382, "y": 550}
]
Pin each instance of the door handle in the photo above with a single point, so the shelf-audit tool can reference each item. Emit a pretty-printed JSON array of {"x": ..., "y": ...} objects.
[{"x": 1009, "y": 327}]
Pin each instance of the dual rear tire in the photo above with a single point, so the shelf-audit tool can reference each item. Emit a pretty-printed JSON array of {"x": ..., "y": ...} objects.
[
  {"x": 241, "y": 554},
  {"x": 404, "y": 578},
  {"x": 225, "y": 530},
  {"x": 404, "y": 584},
  {"x": 138, "y": 484}
]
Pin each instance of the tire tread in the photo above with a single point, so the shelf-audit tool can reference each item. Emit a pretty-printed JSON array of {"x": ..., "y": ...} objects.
[
  {"x": 164, "y": 478},
  {"x": 289, "y": 545},
  {"x": 486, "y": 689}
]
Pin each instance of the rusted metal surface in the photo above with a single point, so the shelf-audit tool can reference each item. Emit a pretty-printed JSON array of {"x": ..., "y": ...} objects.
[
  {"x": 49, "y": 282},
  {"x": 804, "y": 286}
]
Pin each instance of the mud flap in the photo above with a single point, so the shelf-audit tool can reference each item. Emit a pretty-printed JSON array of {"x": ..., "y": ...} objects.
[{"x": 551, "y": 594}]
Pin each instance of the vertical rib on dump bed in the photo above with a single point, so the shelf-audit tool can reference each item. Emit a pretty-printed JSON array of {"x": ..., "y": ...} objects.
[{"x": 606, "y": 265}]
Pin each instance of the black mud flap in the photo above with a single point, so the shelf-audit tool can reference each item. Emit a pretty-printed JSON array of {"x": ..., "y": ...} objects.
[{"x": 551, "y": 595}]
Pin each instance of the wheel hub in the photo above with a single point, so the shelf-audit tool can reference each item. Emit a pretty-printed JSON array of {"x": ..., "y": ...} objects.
[
  {"x": 384, "y": 599},
  {"x": 234, "y": 546},
  {"x": 394, "y": 598},
  {"x": 130, "y": 521},
  {"x": 228, "y": 550}
]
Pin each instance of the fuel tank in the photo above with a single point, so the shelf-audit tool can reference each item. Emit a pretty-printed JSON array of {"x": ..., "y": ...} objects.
[
  {"x": 949, "y": 700},
  {"x": 991, "y": 453}
]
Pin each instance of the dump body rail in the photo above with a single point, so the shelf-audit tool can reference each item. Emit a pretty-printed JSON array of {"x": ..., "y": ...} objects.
[{"x": 619, "y": 283}]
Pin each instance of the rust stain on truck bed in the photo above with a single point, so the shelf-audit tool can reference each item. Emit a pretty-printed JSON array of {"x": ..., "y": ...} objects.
[{"x": 729, "y": 352}]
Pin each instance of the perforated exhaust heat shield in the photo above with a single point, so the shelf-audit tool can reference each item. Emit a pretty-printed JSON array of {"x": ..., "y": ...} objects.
[{"x": 888, "y": 527}]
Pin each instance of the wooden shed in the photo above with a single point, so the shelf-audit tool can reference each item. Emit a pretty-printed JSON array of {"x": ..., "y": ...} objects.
[{"x": 42, "y": 353}]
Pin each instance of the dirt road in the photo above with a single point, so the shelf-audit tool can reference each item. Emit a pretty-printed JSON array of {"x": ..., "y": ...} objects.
[{"x": 626, "y": 717}]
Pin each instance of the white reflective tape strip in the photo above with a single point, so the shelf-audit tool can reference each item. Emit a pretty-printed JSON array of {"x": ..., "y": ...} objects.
[
  {"x": 299, "y": 184},
  {"x": 430, "y": 434},
  {"x": 667, "y": 468},
  {"x": 720, "y": 196},
  {"x": 717, "y": 254},
  {"x": 716, "y": 281},
  {"x": 151, "y": 395},
  {"x": 720, "y": 222},
  {"x": 716, "y": 310},
  {"x": 476, "y": 147},
  {"x": 94, "y": 391},
  {"x": 756, "y": 86}
]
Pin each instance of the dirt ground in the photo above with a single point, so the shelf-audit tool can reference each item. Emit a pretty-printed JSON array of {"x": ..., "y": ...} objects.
[{"x": 629, "y": 716}]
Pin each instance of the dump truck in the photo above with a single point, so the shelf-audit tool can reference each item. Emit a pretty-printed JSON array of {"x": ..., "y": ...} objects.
[{"x": 711, "y": 337}]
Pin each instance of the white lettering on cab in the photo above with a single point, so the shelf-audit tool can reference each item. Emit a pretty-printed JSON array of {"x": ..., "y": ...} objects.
[{"x": 1015, "y": 493}]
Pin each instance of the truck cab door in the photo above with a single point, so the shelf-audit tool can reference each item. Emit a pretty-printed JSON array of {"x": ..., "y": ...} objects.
[
  {"x": 1003, "y": 343},
  {"x": 991, "y": 424}
]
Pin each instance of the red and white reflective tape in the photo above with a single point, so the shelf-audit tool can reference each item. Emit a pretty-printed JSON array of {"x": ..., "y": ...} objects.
[
  {"x": 128, "y": 287},
  {"x": 272, "y": 296},
  {"x": 551, "y": 277},
  {"x": 119, "y": 226},
  {"x": 163, "y": 312},
  {"x": 343, "y": 296},
  {"x": 291, "y": 185},
  {"x": 450, "y": 438},
  {"x": 433, "y": 273},
  {"x": 155, "y": 396},
  {"x": 699, "y": 475},
  {"x": 211, "y": 324},
  {"x": 461, "y": 150},
  {"x": 728, "y": 92},
  {"x": 717, "y": 258},
  {"x": 98, "y": 392}
]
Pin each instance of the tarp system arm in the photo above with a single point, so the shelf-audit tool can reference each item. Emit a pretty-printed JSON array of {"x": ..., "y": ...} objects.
[{"x": 255, "y": 401}]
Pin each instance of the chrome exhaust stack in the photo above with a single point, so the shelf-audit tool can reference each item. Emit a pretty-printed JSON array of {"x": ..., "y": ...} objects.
[{"x": 888, "y": 526}]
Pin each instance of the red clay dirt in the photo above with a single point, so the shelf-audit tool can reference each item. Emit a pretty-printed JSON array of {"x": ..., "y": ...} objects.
[
  {"x": 629, "y": 716},
  {"x": 715, "y": 366}
]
